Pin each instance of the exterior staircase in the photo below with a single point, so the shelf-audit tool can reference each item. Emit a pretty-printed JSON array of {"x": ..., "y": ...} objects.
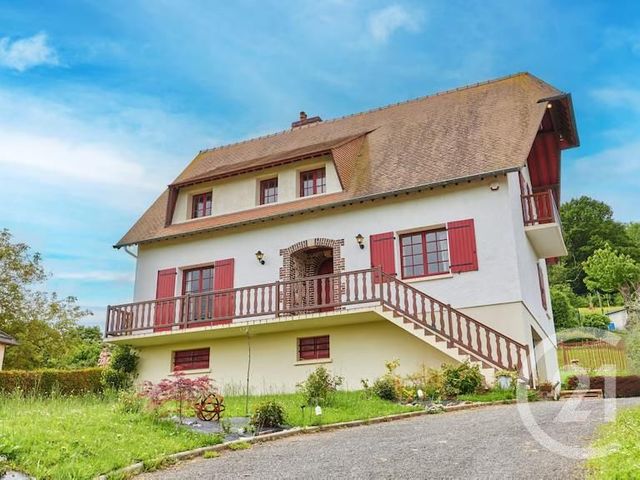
[{"x": 452, "y": 332}]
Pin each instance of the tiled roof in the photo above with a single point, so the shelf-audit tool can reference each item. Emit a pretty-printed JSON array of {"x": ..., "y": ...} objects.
[
  {"x": 468, "y": 132},
  {"x": 6, "y": 339}
]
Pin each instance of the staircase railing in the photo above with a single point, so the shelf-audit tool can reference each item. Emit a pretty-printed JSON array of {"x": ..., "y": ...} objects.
[{"x": 456, "y": 328}]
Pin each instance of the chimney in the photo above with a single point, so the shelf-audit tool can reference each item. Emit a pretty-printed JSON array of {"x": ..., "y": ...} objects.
[{"x": 304, "y": 120}]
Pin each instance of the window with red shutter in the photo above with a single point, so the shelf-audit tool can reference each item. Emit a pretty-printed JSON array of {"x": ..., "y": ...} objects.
[
  {"x": 224, "y": 304},
  {"x": 191, "y": 359},
  {"x": 313, "y": 348},
  {"x": 382, "y": 246},
  {"x": 424, "y": 253},
  {"x": 462, "y": 246},
  {"x": 543, "y": 290}
]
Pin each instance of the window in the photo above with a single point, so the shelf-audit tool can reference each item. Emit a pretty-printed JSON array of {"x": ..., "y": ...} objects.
[
  {"x": 191, "y": 359},
  {"x": 269, "y": 191},
  {"x": 424, "y": 253},
  {"x": 313, "y": 348},
  {"x": 312, "y": 182},
  {"x": 201, "y": 205},
  {"x": 198, "y": 280}
]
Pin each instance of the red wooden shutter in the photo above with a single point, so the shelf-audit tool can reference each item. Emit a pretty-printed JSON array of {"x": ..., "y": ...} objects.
[
  {"x": 462, "y": 246},
  {"x": 223, "y": 304},
  {"x": 165, "y": 288},
  {"x": 543, "y": 293},
  {"x": 382, "y": 248}
]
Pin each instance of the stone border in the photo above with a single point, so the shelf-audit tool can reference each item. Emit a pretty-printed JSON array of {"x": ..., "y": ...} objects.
[{"x": 138, "y": 467}]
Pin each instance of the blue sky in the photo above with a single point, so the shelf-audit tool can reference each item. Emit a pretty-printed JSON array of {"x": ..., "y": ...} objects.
[{"x": 103, "y": 103}]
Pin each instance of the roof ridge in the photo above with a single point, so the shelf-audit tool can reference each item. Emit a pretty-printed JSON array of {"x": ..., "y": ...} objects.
[{"x": 376, "y": 109}]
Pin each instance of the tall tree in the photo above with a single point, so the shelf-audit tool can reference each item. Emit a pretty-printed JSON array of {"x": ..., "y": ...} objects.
[
  {"x": 609, "y": 271},
  {"x": 588, "y": 225},
  {"x": 45, "y": 326}
]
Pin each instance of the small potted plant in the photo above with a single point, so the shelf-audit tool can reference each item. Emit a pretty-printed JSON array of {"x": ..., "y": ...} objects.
[{"x": 545, "y": 389}]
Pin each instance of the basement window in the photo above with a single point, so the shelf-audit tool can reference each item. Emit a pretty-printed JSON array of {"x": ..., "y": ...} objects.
[
  {"x": 191, "y": 359},
  {"x": 313, "y": 348}
]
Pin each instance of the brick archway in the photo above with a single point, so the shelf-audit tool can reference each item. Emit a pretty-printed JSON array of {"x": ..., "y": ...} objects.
[{"x": 288, "y": 270}]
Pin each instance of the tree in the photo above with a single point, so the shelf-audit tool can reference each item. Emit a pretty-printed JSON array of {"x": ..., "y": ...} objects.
[
  {"x": 633, "y": 231},
  {"x": 45, "y": 326},
  {"x": 588, "y": 225},
  {"x": 608, "y": 270},
  {"x": 180, "y": 391}
]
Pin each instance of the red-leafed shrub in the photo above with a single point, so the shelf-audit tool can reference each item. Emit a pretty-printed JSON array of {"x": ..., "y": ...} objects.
[
  {"x": 45, "y": 382},
  {"x": 180, "y": 389}
]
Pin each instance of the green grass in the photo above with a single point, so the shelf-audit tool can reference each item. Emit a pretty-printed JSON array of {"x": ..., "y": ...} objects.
[
  {"x": 622, "y": 439},
  {"x": 603, "y": 310},
  {"x": 490, "y": 396},
  {"x": 345, "y": 406},
  {"x": 81, "y": 437}
]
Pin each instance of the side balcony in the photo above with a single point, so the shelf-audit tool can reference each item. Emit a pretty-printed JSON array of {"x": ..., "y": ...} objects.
[{"x": 542, "y": 224}]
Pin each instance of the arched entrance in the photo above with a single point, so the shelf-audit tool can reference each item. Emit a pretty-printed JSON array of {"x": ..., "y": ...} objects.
[{"x": 311, "y": 259}]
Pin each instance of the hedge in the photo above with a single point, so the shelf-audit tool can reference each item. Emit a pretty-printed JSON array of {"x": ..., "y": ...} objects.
[
  {"x": 44, "y": 382},
  {"x": 627, "y": 386}
]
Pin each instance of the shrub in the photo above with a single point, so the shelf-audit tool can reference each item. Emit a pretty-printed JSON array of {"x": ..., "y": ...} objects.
[
  {"x": 385, "y": 388},
  {"x": 115, "y": 379},
  {"x": 180, "y": 389},
  {"x": 596, "y": 320},
  {"x": 45, "y": 382},
  {"x": 573, "y": 382},
  {"x": 565, "y": 315},
  {"x": 269, "y": 414},
  {"x": 319, "y": 386},
  {"x": 429, "y": 380},
  {"x": 462, "y": 379},
  {"x": 124, "y": 359}
]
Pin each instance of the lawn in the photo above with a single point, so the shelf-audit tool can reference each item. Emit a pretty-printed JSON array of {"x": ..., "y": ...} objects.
[
  {"x": 81, "y": 437},
  {"x": 622, "y": 439},
  {"x": 344, "y": 406}
]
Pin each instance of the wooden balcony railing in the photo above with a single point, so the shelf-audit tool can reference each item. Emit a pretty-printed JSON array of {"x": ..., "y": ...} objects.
[
  {"x": 540, "y": 208},
  {"x": 338, "y": 291}
]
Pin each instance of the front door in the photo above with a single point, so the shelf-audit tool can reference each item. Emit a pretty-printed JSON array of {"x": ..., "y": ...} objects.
[{"x": 324, "y": 286}]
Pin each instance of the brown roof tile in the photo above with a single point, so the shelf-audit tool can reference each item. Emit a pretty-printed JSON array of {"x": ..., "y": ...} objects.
[{"x": 463, "y": 133}]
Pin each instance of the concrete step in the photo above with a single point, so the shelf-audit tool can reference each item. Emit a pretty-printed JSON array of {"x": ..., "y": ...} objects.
[{"x": 590, "y": 393}]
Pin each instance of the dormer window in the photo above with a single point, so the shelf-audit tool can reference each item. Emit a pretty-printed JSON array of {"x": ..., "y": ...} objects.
[
  {"x": 269, "y": 191},
  {"x": 313, "y": 182},
  {"x": 201, "y": 205}
]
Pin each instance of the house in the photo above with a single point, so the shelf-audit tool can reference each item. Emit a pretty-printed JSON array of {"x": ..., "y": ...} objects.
[
  {"x": 418, "y": 231},
  {"x": 5, "y": 340}
]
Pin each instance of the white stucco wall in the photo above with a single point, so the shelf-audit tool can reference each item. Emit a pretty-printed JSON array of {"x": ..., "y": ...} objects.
[
  {"x": 507, "y": 273},
  {"x": 2, "y": 347},
  {"x": 242, "y": 192}
]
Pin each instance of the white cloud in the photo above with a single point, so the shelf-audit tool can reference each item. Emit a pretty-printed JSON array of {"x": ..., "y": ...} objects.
[
  {"x": 383, "y": 23},
  {"x": 27, "y": 53},
  {"x": 618, "y": 97},
  {"x": 96, "y": 276}
]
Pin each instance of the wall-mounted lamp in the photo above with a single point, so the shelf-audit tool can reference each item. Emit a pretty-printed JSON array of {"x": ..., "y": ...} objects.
[
  {"x": 495, "y": 186},
  {"x": 360, "y": 240},
  {"x": 260, "y": 257}
]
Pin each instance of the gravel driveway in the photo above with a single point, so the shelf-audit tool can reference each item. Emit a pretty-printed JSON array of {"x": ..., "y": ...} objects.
[{"x": 491, "y": 442}]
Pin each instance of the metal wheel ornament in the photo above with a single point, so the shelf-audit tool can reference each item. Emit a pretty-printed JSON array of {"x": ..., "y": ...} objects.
[{"x": 210, "y": 407}]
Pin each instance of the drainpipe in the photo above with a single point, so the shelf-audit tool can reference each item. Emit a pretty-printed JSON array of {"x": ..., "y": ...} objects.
[{"x": 126, "y": 249}]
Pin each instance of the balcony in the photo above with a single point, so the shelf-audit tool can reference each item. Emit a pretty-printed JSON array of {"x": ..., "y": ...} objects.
[{"x": 542, "y": 224}]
